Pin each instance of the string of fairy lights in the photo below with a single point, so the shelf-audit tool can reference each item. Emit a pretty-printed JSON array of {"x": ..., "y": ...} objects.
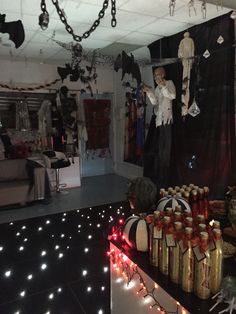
[{"x": 130, "y": 271}]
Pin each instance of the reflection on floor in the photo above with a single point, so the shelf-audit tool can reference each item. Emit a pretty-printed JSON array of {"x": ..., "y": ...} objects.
[
  {"x": 93, "y": 191},
  {"x": 57, "y": 264}
]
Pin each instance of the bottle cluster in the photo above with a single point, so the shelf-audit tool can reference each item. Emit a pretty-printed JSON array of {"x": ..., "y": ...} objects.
[
  {"x": 187, "y": 250},
  {"x": 197, "y": 197}
]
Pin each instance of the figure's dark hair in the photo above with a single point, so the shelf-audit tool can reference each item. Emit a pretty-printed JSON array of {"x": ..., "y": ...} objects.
[{"x": 144, "y": 191}]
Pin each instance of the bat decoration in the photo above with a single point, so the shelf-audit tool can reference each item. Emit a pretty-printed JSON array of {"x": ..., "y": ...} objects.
[
  {"x": 15, "y": 30},
  {"x": 128, "y": 65}
]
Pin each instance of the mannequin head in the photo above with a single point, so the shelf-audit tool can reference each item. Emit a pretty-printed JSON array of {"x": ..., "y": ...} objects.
[{"x": 159, "y": 74}]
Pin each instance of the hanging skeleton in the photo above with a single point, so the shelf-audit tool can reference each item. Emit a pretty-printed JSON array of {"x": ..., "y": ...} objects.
[
  {"x": 74, "y": 69},
  {"x": 186, "y": 53}
]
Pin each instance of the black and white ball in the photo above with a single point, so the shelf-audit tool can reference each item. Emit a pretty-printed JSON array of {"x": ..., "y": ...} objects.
[
  {"x": 173, "y": 201},
  {"x": 135, "y": 230}
]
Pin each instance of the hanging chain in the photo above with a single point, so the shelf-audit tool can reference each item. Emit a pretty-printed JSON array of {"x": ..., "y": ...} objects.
[
  {"x": 113, "y": 13},
  {"x": 95, "y": 23},
  {"x": 43, "y": 7}
]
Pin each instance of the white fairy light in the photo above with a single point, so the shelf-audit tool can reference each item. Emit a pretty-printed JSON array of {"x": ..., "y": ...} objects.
[
  {"x": 98, "y": 225},
  {"x": 17, "y": 312},
  {"x": 82, "y": 215},
  {"x": 60, "y": 255},
  {"x": 43, "y": 253},
  {"x": 1, "y": 248},
  {"x": 105, "y": 269},
  {"x": 102, "y": 216},
  {"x": 47, "y": 222},
  {"x": 40, "y": 228},
  {"x": 21, "y": 248},
  {"x": 89, "y": 289},
  {"x": 59, "y": 290},
  {"x": 84, "y": 272},
  {"x": 70, "y": 237},
  {"x": 102, "y": 288},
  {"x": 43, "y": 266},
  {"x": 11, "y": 224},
  {"x": 23, "y": 227},
  {"x": 86, "y": 250},
  {"x": 18, "y": 234},
  {"x": 57, "y": 247},
  {"x": 62, "y": 235},
  {"x": 8, "y": 273},
  {"x": 52, "y": 236},
  {"x": 89, "y": 236},
  {"x": 90, "y": 225},
  {"x": 100, "y": 311},
  {"x": 67, "y": 247},
  {"x": 51, "y": 296},
  {"x": 22, "y": 293},
  {"x": 30, "y": 276},
  {"x": 25, "y": 239},
  {"x": 63, "y": 219},
  {"x": 90, "y": 208},
  {"x": 78, "y": 210},
  {"x": 110, "y": 206},
  {"x": 65, "y": 214},
  {"x": 79, "y": 226}
]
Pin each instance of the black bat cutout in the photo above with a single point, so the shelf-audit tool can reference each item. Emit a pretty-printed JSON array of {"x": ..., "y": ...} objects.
[
  {"x": 15, "y": 30},
  {"x": 128, "y": 65}
]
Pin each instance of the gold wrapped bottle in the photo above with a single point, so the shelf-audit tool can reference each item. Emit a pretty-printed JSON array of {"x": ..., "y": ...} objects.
[
  {"x": 187, "y": 261},
  {"x": 163, "y": 248},
  {"x": 202, "y": 267},
  {"x": 154, "y": 239},
  {"x": 176, "y": 255},
  {"x": 216, "y": 262}
]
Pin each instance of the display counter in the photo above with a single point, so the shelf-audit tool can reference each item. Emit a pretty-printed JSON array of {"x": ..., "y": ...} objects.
[{"x": 137, "y": 287}]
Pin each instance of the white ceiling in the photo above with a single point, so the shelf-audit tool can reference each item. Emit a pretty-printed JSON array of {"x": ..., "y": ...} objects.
[{"x": 139, "y": 23}]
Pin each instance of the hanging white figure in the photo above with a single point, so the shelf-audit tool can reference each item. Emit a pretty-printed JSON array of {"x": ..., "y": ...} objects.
[
  {"x": 186, "y": 53},
  {"x": 44, "y": 119}
]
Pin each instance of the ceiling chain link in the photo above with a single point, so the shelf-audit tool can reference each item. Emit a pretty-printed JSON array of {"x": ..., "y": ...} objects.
[{"x": 95, "y": 24}]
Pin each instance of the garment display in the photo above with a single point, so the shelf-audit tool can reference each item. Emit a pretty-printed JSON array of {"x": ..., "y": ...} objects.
[
  {"x": 157, "y": 149},
  {"x": 161, "y": 99}
]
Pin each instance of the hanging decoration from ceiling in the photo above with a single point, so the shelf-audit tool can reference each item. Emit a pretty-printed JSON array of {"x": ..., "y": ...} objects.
[
  {"x": 44, "y": 18},
  {"x": 20, "y": 89},
  {"x": 15, "y": 29},
  {"x": 186, "y": 53}
]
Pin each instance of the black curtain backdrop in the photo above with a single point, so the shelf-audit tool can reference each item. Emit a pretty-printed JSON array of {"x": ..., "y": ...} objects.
[{"x": 203, "y": 147}]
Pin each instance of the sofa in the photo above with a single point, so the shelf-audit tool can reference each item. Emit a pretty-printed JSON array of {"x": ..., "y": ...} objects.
[{"x": 21, "y": 181}]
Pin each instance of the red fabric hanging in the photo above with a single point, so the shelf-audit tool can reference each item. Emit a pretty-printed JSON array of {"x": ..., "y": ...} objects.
[{"x": 97, "y": 119}]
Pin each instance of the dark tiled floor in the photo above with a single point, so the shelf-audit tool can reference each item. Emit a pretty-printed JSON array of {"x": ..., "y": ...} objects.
[{"x": 65, "y": 253}]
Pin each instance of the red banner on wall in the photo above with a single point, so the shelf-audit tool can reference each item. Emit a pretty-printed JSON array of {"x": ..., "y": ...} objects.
[{"x": 97, "y": 119}]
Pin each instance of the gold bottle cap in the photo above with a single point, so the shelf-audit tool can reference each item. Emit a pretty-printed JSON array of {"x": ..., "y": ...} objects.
[
  {"x": 217, "y": 232},
  {"x": 191, "y": 185},
  {"x": 189, "y": 219},
  {"x": 200, "y": 191},
  {"x": 204, "y": 235},
  {"x": 216, "y": 224},
  {"x": 178, "y": 194},
  {"x": 178, "y": 214},
  {"x": 202, "y": 227},
  {"x": 194, "y": 192},
  {"x": 196, "y": 187},
  {"x": 162, "y": 190},
  {"x": 156, "y": 214},
  {"x": 168, "y": 210},
  {"x": 170, "y": 189},
  {"x": 188, "y": 230},
  {"x": 184, "y": 186},
  {"x": 186, "y": 194},
  {"x": 206, "y": 189},
  {"x": 181, "y": 191},
  {"x": 200, "y": 218},
  {"x": 173, "y": 192},
  {"x": 178, "y": 225},
  {"x": 178, "y": 209},
  {"x": 177, "y": 188},
  {"x": 188, "y": 189},
  {"x": 166, "y": 219}
]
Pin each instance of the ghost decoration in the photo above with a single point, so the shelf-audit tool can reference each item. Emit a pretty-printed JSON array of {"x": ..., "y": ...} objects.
[{"x": 186, "y": 53}]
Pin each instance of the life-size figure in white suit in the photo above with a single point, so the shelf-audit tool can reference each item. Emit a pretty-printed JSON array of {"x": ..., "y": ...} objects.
[{"x": 186, "y": 52}]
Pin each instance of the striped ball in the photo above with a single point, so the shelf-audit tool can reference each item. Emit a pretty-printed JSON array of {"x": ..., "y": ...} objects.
[
  {"x": 172, "y": 201},
  {"x": 135, "y": 230}
]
